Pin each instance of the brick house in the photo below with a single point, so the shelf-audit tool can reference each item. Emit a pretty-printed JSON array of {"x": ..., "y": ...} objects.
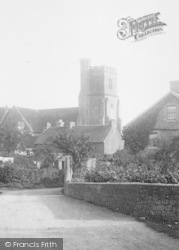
[{"x": 165, "y": 113}]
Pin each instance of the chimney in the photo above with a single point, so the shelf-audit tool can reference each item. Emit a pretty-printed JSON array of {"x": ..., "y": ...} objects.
[
  {"x": 48, "y": 125},
  {"x": 174, "y": 86},
  {"x": 70, "y": 124},
  {"x": 113, "y": 123},
  {"x": 60, "y": 123}
]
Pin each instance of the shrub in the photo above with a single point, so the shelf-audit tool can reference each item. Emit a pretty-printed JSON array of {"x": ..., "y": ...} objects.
[
  {"x": 146, "y": 166},
  {"x": 136, "y": 137},
  {"x": 52, "y": 177},
  {"x": 12, "y": 174},
  {"x": 131, "y": 173}
]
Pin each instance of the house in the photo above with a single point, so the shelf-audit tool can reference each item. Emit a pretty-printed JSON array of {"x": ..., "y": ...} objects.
[
  {"x": 105, "y": 138},
  {"x": 162, "y": 118},
  {"x": 33, "y": 122},
  {"x": 97, "y": 116}
]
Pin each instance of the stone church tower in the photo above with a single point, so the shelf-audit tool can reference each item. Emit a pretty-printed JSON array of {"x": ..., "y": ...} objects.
[{"x": 98, "y": 100}]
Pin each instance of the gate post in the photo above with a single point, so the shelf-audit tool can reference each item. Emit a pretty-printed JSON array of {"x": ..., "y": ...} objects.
[{"x": 68, "y": 171}]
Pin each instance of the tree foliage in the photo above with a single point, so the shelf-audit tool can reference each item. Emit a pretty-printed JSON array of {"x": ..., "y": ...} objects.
[
  {"x": 44, "y": 154},
  {"x": 75, "y": 144},
  {"x": 158, "y": 166},
  {"x": 9, "y": 137},
  {"x": 136, "y": 136}
]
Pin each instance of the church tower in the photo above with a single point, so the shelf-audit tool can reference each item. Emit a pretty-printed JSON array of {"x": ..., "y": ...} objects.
[{"x": 98, "y": 100}]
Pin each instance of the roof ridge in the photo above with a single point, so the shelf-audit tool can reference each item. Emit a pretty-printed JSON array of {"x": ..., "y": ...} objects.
[
  {"x": 36, "y": 110},
  {"x": 24, "y": 119},
  {"x": 57, "y": 108},
  {"x": 150, "y": 107},
  {"x": 4, "y": 115}
]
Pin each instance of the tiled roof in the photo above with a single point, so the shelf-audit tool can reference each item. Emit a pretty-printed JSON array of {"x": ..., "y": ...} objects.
[
  {"x": 95, "y": 133},
  {"x": 54, "y": 115},
  {"x": 2, "y": 113},
  {"x": 156, "y": 107},
  {"x": 32, "y": 118},
  {"x": 37, "y": 120},
  {"x": 49, "y": 133}
]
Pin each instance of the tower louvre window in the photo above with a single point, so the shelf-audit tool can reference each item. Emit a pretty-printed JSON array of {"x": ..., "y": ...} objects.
[
  {"x": 110, "y": 83},
  {"x": 171, "y": 112}
]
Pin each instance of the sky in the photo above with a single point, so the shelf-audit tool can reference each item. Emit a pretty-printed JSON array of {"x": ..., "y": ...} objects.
[{"x": 42, "y": 42}]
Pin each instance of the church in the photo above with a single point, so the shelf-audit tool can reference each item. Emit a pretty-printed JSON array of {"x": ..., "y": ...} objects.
[{"x": 97, "y": 116}]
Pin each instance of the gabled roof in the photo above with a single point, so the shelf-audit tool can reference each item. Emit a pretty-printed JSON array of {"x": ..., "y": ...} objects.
[
  {"x": 3, "y": 112},
  {"x": 30, "y": 117},
  {"x": 36, "y": 120},
  {"x": 155, "y": 107}
]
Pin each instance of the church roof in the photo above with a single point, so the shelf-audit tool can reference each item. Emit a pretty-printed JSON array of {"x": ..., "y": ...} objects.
[
  {"x": 36, "y": 120},
  {"x": 3, "y": 111},
  {"x": 54, "y": 115},
  {"x": 31, "y": 118}
]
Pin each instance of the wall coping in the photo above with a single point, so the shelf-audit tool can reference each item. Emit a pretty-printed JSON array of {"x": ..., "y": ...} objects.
[{"x": 125, "y": 183}]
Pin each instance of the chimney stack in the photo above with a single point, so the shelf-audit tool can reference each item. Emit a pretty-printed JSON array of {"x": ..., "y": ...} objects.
[
  {"x": 113, "y": 123},
  {"x": 71, "y": 124},
  {"x": 60, "y": 123},
  {"x": 174, "y": 86}
]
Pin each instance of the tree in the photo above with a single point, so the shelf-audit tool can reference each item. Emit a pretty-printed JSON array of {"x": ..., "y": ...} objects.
[
  {"x": 12, "y": 138},
  {"x": 73, "y": 143},
  {"x": 136, "y": 137},
  {"x": 45, "y": 154},
  {"x": 9, "y": 137}
]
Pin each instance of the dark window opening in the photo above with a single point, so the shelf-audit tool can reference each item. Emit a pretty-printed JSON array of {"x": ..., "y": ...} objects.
[{"x": 153, "y": 141}]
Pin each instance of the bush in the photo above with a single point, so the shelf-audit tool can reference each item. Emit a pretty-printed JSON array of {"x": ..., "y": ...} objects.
[
  {"x": 24, "y": 161},
  {"x": 12, "y": 174},
  {"x": 146, "y": 167},
  {"x": 131, "y": 173},
  {"x": 52, "y": 177}
]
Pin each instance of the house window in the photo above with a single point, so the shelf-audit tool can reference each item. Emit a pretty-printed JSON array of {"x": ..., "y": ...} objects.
[
  {"x": 153, "y": 140},
  {"x": 110, "y": 83},
  {"x": 171, "y": 112}
]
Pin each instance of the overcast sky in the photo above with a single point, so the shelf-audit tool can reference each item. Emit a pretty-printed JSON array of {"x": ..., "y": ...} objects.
[{"x": 42, "y": 41}]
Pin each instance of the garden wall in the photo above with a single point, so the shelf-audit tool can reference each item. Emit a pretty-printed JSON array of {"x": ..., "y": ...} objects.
[{"x": 154, "y": 201}]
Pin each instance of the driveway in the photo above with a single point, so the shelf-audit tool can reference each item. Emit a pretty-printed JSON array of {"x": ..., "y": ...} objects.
[{"x": 48, "y": 213}]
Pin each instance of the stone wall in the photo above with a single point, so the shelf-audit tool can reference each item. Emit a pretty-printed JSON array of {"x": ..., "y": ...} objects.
[{"x": 152, "y": 201}]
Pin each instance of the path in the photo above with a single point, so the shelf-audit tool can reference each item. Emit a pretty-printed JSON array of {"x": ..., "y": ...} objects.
[{"x": 48, "y": 213}]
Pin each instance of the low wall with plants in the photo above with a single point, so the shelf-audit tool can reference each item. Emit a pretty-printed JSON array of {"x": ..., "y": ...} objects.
[{"x": 149, "y": 201}]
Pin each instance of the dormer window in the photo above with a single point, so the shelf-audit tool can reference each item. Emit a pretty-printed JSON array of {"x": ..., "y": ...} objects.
[{"x": 171, "y": 112}]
